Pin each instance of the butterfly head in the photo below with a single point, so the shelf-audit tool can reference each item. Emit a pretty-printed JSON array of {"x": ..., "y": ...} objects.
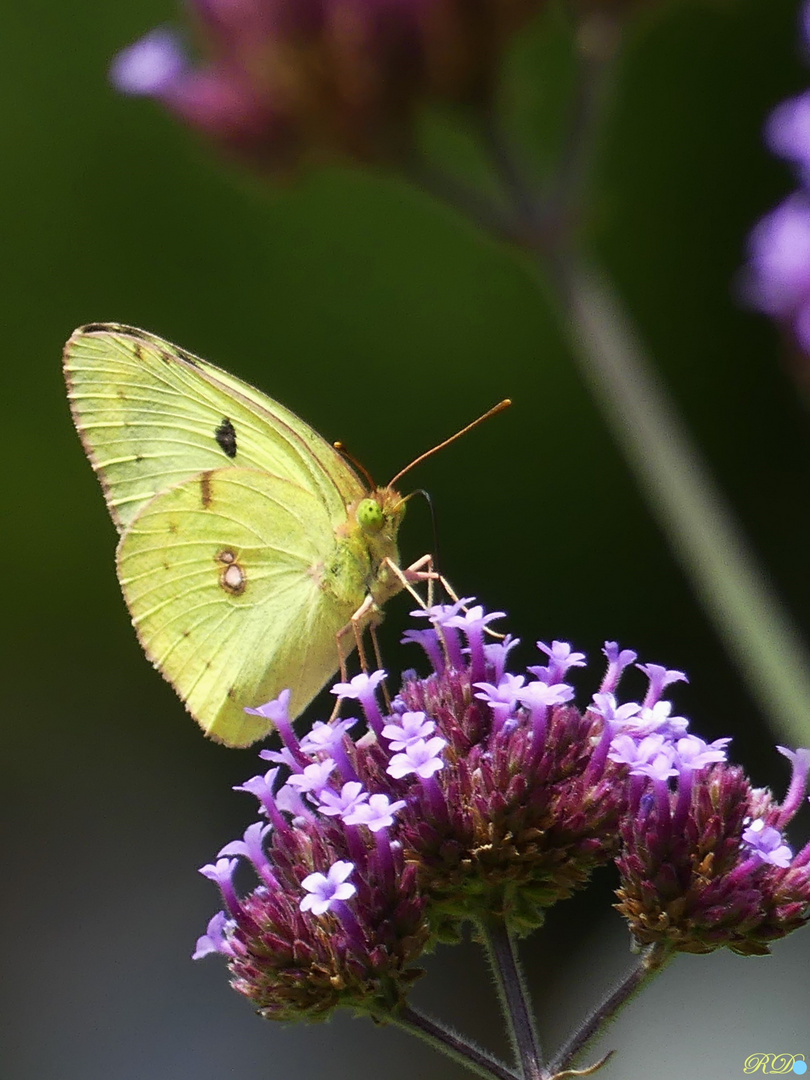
[{"x": 380, "y": 513}]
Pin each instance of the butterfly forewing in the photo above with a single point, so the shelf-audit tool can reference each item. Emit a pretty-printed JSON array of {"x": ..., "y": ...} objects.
[
  {"x": 227, "y": 579},
  {"x": 151, "y": 416}
]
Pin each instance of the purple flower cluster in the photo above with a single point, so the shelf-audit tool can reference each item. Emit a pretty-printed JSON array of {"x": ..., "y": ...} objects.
[
  {"x": 479, "y": 793},
  {"x": 286, "y": 82},
  {"x": 703, "y": 860},
  {"x": 776, "y": 280}
]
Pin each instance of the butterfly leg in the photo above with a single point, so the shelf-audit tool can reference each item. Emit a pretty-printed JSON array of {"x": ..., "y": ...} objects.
[
  {"x": 416, "y": 573},
  {"x": 372, "y": 633},
  {"x": 372, "y": 630},
  {"x": 368, "y": 615},
  {"x": 350, "y": 637},
  {"x": 412, "y": 573}
]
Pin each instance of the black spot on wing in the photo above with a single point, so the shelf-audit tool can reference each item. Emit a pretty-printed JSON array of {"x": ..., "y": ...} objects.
[{"x": 226, "y": 437}]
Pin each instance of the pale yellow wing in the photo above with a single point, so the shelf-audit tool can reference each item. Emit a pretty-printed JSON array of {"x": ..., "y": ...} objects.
[
  {"x": 237, "y": 588},
  {"x": 152, "y": 415}
]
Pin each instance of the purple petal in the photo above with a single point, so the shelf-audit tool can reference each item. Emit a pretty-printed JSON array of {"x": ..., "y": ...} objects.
[{"x": 149, "y": 67}]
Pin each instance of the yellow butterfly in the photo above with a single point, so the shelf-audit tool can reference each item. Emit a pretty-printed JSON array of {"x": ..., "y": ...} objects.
[{"x": 248, "y": 545}]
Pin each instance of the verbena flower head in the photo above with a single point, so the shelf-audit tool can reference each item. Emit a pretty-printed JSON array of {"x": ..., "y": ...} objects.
[
  {"x": 284, "y": 82},
  {"x": 481, "y": 792},
  {"x": 704, "y": 860}
]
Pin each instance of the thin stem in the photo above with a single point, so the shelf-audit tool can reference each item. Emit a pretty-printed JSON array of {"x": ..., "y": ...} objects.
[
  {"x": 649, "y": 963},
  {"x": 598, "y": 37},
  {"x": 701, "y": 528},
  {"x": 552, "y": 220},
  {"x": 702, "y": 531},
  {"x": 514, "y": 997},
  {"x": 511, "y": 172},
  {"x": 450, "y": 1044},
  {"x": 471, "y": 203}
]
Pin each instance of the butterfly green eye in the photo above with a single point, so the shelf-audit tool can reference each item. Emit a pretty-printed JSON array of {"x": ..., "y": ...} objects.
[{"x": 369, "y": 515}]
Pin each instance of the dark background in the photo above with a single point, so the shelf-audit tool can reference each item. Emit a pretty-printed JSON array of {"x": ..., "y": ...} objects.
[{"x": 386, "y": 321}]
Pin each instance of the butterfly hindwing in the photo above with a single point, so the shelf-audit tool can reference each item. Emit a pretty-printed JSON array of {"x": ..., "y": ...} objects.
[{"x": 227, "y": 578}]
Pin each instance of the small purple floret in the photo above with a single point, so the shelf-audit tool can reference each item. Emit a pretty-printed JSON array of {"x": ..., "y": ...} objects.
[
  {"x": 497, "y": 654},
  {"x": 430, "y": 642},
  {"x": 561, "y": 658},
  {"x": 693, "y": 753},
  {"x": 800, "y": 760},
  {"x": 343, "y": 802},
  {"x": 660, "y": 677},
  {"x": 766, "y": 844},
  {"x": 314, "y": 778},
  {"x": 411, "y": 727},
  {"x": 613, "y": 713},
  {"x": 422, "y": 757},
  {"x": 618, "y": 659},
  {"x": 323, "y": 890},
  {"x": 276, "y": 710},
  {"x": 378, "y": 813},
  {"x": 360, "y": 686},
  {"x": 215, "y": 938},
  {"x": 322, "y": 738},
  {"x": 503, "y": 697}
]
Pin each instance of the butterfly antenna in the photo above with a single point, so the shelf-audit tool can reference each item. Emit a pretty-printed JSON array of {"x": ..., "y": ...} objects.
[
  {"x": 341, "y": 449},
  {"x": 440, "y": 446}
]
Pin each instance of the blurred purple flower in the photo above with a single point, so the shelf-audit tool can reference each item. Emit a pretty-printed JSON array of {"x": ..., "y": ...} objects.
[
  {"x": 283, "y": 83},
  {"x": 787, "y": 132},
  {"x": 777, "y": 277},
  {"x": 151, "y": 66}
]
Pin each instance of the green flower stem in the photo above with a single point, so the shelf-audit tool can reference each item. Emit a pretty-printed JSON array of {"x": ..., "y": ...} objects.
[
  {"x": 649, "y": 963},
  {"x": 701, "y": 528},
  {"x": 478, "y": 209},
  {"x": 703, "y": 533},
  {"x": 450, "y": 1044},
  {"x": 512, "y": 991},
  {"x": 597, "y": 42}
]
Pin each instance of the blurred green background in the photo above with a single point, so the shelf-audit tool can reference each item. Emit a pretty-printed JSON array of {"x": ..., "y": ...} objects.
[{"x": 388, "y": 322}]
